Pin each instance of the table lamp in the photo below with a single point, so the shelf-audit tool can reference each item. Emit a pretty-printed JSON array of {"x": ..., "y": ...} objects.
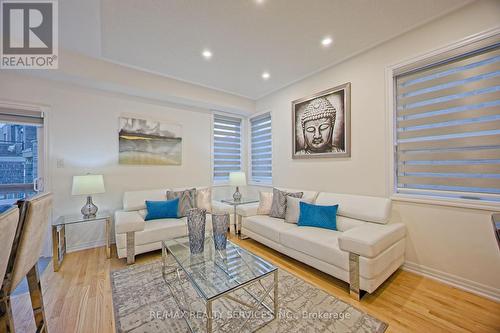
[
  {"x": 237, "y": 179},
  {"x": 87, "y": 185}
]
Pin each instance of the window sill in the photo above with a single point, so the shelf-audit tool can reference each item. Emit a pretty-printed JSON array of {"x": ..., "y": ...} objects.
[
  {"x": 253, "y": 183},
  {"x": 220, "y": 184},
  {"x": 459, "y": 203}
]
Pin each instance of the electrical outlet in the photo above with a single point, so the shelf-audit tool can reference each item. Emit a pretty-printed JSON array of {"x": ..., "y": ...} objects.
[{"x": 60, "y": 163}]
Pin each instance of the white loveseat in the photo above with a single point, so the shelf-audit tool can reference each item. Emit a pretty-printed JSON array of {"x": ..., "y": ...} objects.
[
  {"x": 364, "y": 251},
  {"x": 134, "y": 235}
]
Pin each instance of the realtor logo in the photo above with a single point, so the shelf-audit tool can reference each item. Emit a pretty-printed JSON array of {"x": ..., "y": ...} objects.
[{"x": 29, "y": 34}]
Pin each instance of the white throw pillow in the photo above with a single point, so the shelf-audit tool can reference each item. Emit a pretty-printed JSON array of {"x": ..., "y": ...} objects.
[
  {"x": 204, "y": 199},
  {"x": 293, "y": 209},
  {"x": 265, "y": 203}
]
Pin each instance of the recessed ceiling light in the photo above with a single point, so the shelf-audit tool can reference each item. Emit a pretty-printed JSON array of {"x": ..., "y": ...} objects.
[
  {"x": 326, "y": 41},
  {"x": 266, "y": 75},
  {"x": 207, "y": 54},
  {"x": 259, "y": 1}
]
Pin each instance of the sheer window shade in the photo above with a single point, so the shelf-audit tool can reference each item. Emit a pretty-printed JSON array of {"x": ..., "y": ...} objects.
[
  {"x": 448, "y": 127},
  {"x": 261, "y": 150},
  {"x": 227, "y": 146}
]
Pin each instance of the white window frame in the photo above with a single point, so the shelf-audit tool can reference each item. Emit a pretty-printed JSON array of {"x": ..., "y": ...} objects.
[
  {"x": 244, "y": 140},
  {"x": 251, "y": 181},
  {"x": 449, "y": 51},
  {"x": 44, "y": 148}
]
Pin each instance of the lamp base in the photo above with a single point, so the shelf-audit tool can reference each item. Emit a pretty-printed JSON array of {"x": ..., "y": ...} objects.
[
  {"x": 237, "y": 194},
  {"x": 89, "y": 210}
]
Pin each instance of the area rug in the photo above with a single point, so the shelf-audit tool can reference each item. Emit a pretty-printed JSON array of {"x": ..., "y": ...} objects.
[{"x": 143, "y": 302}]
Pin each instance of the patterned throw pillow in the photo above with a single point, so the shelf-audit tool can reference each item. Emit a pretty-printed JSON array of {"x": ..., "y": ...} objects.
[
  {"x": 265, "y": 203},
  {"x": 187, "y": 200},
  {"x": 278, "y": 208},
  {"x": 204, "y": 199}
]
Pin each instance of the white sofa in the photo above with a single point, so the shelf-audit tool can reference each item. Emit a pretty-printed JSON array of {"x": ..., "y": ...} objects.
[
  {"x": 364, "y": 251},
  {"x": 135, "y": 236}
]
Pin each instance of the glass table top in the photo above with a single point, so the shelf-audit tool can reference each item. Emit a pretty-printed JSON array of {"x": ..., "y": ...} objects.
[
  {"x": 243, "y": 201},
  {"x": 214, "y": 272},
  {"x": 78, "y": 218}
]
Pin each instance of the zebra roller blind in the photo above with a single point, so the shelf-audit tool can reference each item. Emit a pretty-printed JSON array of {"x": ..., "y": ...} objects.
[
  {"x": 261, "y": 150},
  {"x": 227, "y": 146},
  {"x": 448, "y": 127}
]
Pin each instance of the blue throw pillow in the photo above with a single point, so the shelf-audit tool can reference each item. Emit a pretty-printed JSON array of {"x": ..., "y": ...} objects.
[
  {"x": 162, "y": 209},
  {"x": 318, "y": 216}
]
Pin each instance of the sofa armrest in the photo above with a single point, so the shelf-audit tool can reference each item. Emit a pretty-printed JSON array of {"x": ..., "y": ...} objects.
[
  {"x": 247, "y": 210},
  {"x": 128, "y": 221},
  {"x": 371, "y": 240},
  {"x": 221, "y": 208}
]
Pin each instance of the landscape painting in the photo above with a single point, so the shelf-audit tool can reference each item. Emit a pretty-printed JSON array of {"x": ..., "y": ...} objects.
[{"x": 149, "y": 142}]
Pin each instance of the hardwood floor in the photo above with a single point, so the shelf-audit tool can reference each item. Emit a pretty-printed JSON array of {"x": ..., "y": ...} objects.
[{"x": 78, "y": 297}]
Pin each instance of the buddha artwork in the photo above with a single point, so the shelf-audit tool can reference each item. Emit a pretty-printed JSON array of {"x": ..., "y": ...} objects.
[{"x": 320, "y": 124}]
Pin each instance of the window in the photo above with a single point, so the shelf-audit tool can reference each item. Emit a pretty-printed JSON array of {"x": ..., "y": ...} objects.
[
  {"x": 20, "y": 174},
  {"x": 227, "y": 147},
  {"x": 261, "y": 149},
  {"x": 447, "y": 123}
]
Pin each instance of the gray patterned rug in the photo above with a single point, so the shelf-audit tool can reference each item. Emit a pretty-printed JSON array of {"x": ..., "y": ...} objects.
[{"x": 143, "y": 303}]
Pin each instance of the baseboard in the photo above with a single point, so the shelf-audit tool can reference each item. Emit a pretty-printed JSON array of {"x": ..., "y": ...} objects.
[
  {"x": 85, "y": 246},
  {"x": 453, "y": 280}
]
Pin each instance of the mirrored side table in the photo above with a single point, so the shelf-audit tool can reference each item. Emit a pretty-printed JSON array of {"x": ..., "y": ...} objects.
[
  {"x": 59, "y": 234},
  {"x": 243, "y": 201}
]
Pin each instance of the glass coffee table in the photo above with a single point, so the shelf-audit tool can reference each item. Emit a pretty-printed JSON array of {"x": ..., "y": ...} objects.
[{"x": 240, "y": 277}]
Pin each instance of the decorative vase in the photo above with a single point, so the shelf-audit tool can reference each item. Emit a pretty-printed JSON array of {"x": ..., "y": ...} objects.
[
  {"x": 220, "y": 224},
  {"x": 196, "y": 218}
]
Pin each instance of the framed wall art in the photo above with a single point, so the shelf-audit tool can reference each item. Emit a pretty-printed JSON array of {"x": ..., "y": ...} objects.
[
  {"x": 149, "y": 142},
  {"x": 322, "y": 124}
]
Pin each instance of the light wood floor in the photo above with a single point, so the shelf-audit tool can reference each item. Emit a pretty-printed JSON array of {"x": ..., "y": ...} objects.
[{"x": 78, "y": 297}]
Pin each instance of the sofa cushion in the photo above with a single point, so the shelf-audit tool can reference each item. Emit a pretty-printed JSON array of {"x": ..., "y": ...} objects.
[
  {"x": 371, "y": 209},
  {"x": 204, "y": 198},
  {"x": 187, "y": 200},
  {"x": 318, "y": 216},
  {"x": 316, "y": 242},
  {"x": 278, "y": 207},
  {"x": 136, "y": 200},
  {"x": 165, "y": 209},
  {"x": 293, "y": 209},
  {"x": 307, "y": 195},
  {"x": 267, "y": 226},
  {"x": 265, "y": 203},
  {"x": 346, "y": 223}
]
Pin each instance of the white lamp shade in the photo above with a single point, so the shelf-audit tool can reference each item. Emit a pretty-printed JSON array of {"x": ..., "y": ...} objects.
[
  {"x": 88, "y": 184},
  {"x": 237, "y": 178}
]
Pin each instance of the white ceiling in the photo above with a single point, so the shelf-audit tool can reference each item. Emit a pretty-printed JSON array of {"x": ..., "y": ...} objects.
[{"x": 246, "y": 38}]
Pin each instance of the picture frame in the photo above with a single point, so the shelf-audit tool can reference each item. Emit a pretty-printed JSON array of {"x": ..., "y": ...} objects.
[
  {"x": 321, "y": 124},
  {"x": 149, "y": 142}
]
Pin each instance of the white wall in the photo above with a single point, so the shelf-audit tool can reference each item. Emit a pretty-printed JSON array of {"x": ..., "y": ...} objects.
[
  {"x": 456, "y": 244},
  {"x": 83, "y": 132}
]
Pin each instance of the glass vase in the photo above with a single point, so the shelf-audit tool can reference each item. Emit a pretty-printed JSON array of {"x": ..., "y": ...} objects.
[
  {"x": 196, "y": 218},
  {"x": 220, "y": 224}
]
